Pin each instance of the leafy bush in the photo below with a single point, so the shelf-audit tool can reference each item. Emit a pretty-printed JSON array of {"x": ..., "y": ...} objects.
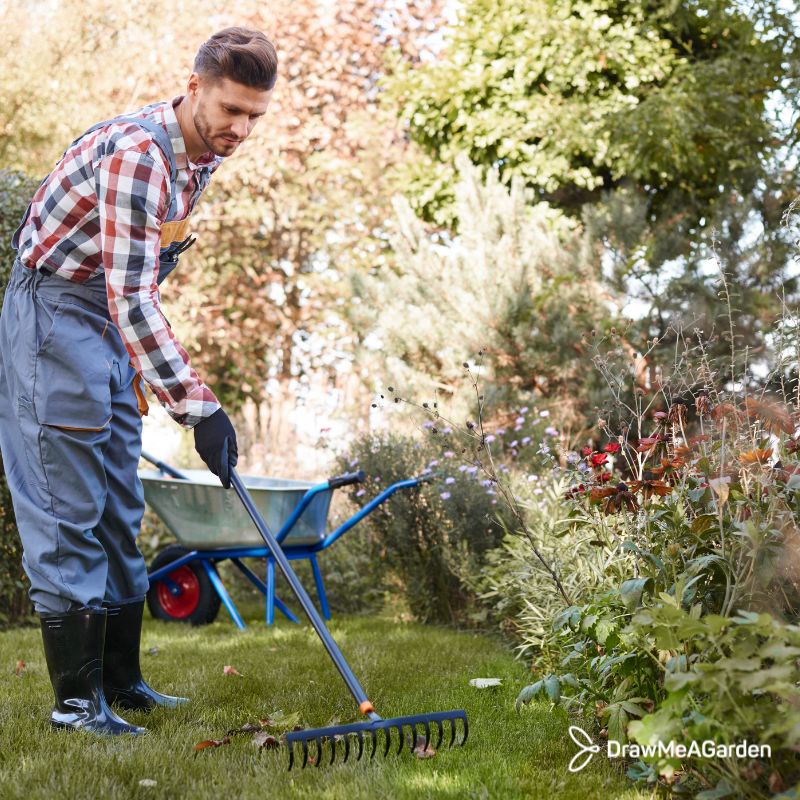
[
  {"x": 434, "y": 538},
  {"x": 693, "y": 634},
  {"x": 15, "y": 193}
]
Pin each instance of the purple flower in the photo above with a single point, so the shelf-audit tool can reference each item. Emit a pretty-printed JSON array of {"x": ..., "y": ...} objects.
[
  {"x": 445, "y": 431},
  {"x": 428, "y": 425},
  {"x": 361, "y": 492},
  {"x": 491, "y": 491},
  {"x": 538, "y": 490},
  {"x": 551, "y": 431},
  {"x": 433, "y": 463},
  {"x": 448, "y": 454},
  {"x": 445, "y": 495},
  {"x": 487, "y": 482},
  {"x": 514, "y": 443},
  {"x": 490, "y": 438},
  {"x": 572, "y": 458},
  {"x": 472, "y": 470},
  {"x": 519, "y": 421},
  {"x": 523, "y": 410},
  {"x": 463, "y": 468},
  {"x": 500, "y": 431},
  {"x": 449, "y": 480},
  {"x": 354, "y": 462},
  {"x": 533, "y": 478},
  {"x": 425, "y": 471},
  {"x": 518, "y": 428},
  {"x": 544, "y": 413}
]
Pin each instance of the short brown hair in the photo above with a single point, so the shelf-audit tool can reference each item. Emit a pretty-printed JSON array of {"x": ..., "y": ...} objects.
[{"x": 241, "y": 55}]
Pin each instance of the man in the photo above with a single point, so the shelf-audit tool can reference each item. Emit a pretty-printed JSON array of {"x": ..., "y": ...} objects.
[{"x": 81, "y": 328}]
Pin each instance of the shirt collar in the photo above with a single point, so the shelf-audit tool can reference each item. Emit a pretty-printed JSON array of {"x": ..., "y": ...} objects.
[{"x": 179, "y": 146}]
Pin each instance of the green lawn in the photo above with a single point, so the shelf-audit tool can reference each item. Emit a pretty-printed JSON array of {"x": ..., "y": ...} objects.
[{"x": 405, "y": 668}]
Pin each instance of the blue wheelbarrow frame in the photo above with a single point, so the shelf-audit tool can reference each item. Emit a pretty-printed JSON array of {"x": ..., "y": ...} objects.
[{"x": 208, "y": 558}]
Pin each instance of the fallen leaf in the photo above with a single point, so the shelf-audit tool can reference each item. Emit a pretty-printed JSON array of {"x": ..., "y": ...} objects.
[
  {"x": 420, "y": 751},
  {"x": 266, "y": 741},
  {"x": 281, "y": 721},
  {"x": 19, "y": 668},
  {"x": 721, "y": 488},
  {"x": 212, "y": 743},
  {"x": 248, "y": 727},
  {"x": 148, "y": 782},
  {"x": 485, "y": 683},
  {"x": 229, "y": 670}
]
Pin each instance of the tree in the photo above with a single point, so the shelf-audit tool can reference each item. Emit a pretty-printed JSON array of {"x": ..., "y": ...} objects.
[
  {"x": 669, "y": 128},
  {"x": 516, "y": 282}
]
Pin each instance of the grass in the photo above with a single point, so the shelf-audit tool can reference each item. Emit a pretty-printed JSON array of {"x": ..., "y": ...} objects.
[{"x": 406, "y": 668}]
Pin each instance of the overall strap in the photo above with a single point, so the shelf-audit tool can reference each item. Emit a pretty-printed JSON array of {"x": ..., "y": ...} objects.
[{"x": 162, "y": 140}]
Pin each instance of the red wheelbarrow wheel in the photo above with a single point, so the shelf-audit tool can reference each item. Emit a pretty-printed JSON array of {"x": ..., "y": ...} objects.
[{"x": 189, "y": 595}]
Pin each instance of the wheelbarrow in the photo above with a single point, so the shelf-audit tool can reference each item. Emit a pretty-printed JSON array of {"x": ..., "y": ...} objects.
[{"x": 211, "y": 525}]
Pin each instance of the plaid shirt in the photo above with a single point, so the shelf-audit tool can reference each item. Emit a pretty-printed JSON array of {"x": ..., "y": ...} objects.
[{"x": 102, "y": 208}]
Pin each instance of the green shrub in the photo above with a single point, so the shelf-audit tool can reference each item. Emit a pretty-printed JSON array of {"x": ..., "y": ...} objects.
[
  {"x": 433, "y": 538},
  {"x": 15, "y": 193},
  {"x": 692, "y": 635}
]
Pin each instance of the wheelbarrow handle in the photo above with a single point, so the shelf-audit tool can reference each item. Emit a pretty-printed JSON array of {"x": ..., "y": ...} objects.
[
  {"x": 347, "y": 479},
  {"x": 165, "y": 468}
]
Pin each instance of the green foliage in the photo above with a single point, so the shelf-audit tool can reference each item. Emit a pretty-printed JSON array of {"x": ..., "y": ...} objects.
[
  {"x": 583, "y": 97},
  {"x": 433, "y": 538},
  {"x": 515, "y": 284},
  {"x": 692, "y": 634},
  {"x": 15, "y": 193}
]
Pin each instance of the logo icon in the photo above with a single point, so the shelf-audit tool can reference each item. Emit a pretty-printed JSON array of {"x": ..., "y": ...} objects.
[{"x": 587, "y": 748}]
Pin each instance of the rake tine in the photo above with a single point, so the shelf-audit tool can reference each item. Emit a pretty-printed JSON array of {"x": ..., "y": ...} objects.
[
  {"x": 452, "y": 732},
  {"x": 360, "y": 745},
  {"x": 403, "y": 738},
  {"x": 346, "y": 748},
  {"x": 427, "y": 734},
  {"x": 318, "y": 740},
  {"x": 466, "y": 732},
  {"x": 305, "y": 753},
  {"x": 388, "y": 732},
  {"x": 441, "y": 734},
  {"x": 374, "y": 742},
  {"x": 333, "y": 749},
  {"x": 291, "y": 756}
]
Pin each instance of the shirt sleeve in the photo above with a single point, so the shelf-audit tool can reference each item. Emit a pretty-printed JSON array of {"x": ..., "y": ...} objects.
[{"x": 132, "y": 193}]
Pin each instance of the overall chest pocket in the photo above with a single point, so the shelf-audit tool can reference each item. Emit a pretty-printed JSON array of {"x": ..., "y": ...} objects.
[{"x": 73, "y": 371}]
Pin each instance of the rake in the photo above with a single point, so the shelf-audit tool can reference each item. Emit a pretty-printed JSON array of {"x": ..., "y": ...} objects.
[{"x": 346, "y": 738}]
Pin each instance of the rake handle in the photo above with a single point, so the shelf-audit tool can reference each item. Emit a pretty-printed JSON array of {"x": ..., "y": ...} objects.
[{"x": 300, "y": 593}]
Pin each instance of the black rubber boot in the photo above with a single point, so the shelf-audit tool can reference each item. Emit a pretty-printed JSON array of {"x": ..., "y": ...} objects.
[
  {"x": 122, "y": 676},
  {"x": 73, "y": 647}
]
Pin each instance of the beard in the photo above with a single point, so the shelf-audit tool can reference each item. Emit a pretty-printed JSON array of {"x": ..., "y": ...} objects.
[{"x": 214, "y": 142}]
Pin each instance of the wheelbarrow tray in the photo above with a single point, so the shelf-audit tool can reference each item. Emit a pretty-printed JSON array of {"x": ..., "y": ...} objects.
[{"x": 202, "y": 515}]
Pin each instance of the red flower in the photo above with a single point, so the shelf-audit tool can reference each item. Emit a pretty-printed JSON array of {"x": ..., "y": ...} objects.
[
  {"x": 587, "y": 451},
  {"x": 612, "y": 447},
  {"x": 598, "y": 459},
  {"x": 604, "y": 477}
]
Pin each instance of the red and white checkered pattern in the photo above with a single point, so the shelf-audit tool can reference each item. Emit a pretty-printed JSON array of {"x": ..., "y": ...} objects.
[{"x": 101, "y": 209}]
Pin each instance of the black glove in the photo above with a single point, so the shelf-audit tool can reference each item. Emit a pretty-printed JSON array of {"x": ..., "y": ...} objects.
[{"x": 215, "y": 441}]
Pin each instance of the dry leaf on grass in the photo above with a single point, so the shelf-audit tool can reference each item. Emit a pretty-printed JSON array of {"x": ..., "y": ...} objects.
[
  {"x": 19, "y": 668},
  {"x": 211, "y": 743},
  {"x": 420, "y": 751},
  {"x": 148, "y": 782},
  {"x": 266, "y": 741},
  {"x": 485, "y": 683},
  {"x": 229, "y": 670}
]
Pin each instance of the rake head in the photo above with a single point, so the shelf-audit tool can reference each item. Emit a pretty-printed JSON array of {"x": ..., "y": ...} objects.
[{"x": 375, "y": 735}]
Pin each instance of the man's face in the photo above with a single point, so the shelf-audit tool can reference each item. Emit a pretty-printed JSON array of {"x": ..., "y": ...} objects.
[{"x": 225, "y": 112}]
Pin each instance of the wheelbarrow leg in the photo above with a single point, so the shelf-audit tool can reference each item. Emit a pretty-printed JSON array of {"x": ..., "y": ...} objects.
[
  {"x": 219, "y": 586},
  {"x": 262, "y": 587},
  {"x": 323, "y": 600},
  {"x": 270, "y": 590}
]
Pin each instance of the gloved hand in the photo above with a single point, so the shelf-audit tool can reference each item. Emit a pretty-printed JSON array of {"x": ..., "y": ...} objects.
[{"x": 215, "y": 441}]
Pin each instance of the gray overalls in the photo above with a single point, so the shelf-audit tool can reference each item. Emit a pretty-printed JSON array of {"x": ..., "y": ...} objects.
[{"x": 71, "y": 430}]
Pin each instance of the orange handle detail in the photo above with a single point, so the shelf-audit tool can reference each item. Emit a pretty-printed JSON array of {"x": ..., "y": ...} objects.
[{"x": 366, "y": 707}]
